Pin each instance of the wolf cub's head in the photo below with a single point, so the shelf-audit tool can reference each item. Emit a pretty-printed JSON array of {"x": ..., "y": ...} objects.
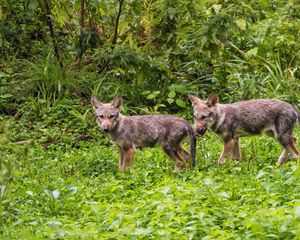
[
  {"x": 107, "y": 114},
  {"x": 205, "y": 112}
]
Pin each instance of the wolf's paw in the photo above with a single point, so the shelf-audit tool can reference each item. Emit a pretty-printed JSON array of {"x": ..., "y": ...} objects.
[
  {"x": 221, "y": 161},
  {"x": 178, "y": 169}
]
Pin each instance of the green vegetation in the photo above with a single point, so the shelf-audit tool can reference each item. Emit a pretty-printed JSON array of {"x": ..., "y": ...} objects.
[
  {"x": 73, "y": 190},
  {"x": 58, "y": 172}
]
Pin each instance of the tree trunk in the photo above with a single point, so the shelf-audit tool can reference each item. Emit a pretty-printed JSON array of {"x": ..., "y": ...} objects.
[
  {"x": 114, "y": 41},
  {"x": 82, "y": 33},
  {"x": 53, "y": 38},
  {"x": 3, "y": 40}
]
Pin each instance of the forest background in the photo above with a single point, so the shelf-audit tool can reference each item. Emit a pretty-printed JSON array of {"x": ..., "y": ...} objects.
[{"x": 59, "y": 172}]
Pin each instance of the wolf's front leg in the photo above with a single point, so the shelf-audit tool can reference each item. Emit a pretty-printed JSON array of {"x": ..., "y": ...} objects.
[
  {"x": 227, "y": 150},
  {"x": 128, "y": 156},
  {"x": 236, "y": 150}
]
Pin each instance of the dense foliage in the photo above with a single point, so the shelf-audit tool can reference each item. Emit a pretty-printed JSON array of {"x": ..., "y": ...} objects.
[
  {"x": 58, "y": 172},
  {"x": 160, "y": 48},
  {"x": 71, "y": 189}
]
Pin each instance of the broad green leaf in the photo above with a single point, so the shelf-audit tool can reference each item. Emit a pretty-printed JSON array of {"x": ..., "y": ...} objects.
[
  {"x": 7, "y": 95},
  {"x": 2, "y": 14},
  {"x": 172, "y": 94},
  {"x": 208, "y": 181},
  {"x": 170, "y": 100},
  {"x": 146, "y": 92},
  {"x": 241, "y": 23},
  {"x": 223, "y": 194},
  {"x": 33, "y": 5},
  {"x": 139, "y": 78},
  {"x": 151, "y": 96},
  {"x": 252, "y": 52},
  {"x": 297, "y": 211},
  {"x": 217, "y": 7},
  {"x": 29, "y": 193},
  {"x": 142, "y": 231},
  {"x": 180, "y": 103},
  {"x": 166, "y": 190},
  {"x": 260, "y": 174}
]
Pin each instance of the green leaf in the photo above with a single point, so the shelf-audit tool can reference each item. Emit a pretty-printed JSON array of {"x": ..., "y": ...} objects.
[
  {"x": 151, "y": 96},
  {"x": 172, "y": 94},
  {"x": 180, "y": 103},
  {"x": 260, "y": 174},
  {"x": 139, "y": 78},
  {"x": 6, "y": 95},
  {"x": 217, "y": 7},
  {"x": 142, "y": 231},
  {"x": 170, "y": 100},
  {"x": 2, "y": 14},
  {"x": 146, "y": 92},
  {"x": 252, "y": 52},
  {"x": 33, "y": 5},
  {"x": 241, "y": 23}
]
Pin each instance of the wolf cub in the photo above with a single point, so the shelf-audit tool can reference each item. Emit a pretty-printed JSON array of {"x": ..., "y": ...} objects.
[
  {"x": 129, "y": 132},
  {"x": 272, "y": 117}
]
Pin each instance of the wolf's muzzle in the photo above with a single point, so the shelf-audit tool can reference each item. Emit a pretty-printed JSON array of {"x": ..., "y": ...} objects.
[
  {"x": 105, "y": 128},
  {"x": 200, "y": 132}
]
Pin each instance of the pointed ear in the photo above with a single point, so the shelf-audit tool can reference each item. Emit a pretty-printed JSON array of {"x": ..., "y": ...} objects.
[
  {"x": 117, "y": 102},
  {"x": 193, "y": 99},
  {"x": 212, "y": 99},
  {"x": 96, "y": 103}
]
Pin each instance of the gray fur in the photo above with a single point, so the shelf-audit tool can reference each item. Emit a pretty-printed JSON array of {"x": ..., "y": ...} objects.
[
  {"x": 272, "y": 117},
  {"x": 129, "y": 132}
]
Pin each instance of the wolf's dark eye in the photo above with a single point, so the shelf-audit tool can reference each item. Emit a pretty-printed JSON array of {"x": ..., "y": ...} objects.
[
  {"x": 100, "y": 116},
  {"x": 202, "y": 117},
  {"x": 112, "y": 116}
]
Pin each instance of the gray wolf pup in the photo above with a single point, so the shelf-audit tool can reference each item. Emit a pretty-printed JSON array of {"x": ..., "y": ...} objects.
[
  {"x": 272, "y": 117},
  {"x": 128, "y": 132}
]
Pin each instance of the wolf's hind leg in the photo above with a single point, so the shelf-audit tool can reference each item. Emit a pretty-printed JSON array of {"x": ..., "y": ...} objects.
[
  {"x": 294, "y": 148},
  {"x": 180, "y": 163},
  {"x": 288, "y": 142},
  {"x": 283, "y": 156},
  {"x": 172, "y": 152},
  {"x": 121, "y": 159},
  {"x": 184, "y": 153},
  {"x": 289, "y": 148},
  {"x": 227, "y": 150},
  {"x": 236, "y": 155},
  {"x": 285, "y": 136}
]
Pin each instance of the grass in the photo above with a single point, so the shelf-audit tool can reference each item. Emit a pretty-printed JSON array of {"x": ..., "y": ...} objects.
[{"x": 73, "y": 190}]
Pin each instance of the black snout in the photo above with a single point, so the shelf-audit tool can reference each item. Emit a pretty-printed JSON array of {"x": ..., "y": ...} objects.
[
  {"x": 200, "y": 132},
  {"x": 105, "y": 129}
]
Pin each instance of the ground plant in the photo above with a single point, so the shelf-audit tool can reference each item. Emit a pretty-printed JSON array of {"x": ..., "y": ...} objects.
[{"x": 59, "y": 175}]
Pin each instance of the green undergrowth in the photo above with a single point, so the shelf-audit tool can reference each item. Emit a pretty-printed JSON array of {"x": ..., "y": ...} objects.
[{"x": 71, "y": 189}]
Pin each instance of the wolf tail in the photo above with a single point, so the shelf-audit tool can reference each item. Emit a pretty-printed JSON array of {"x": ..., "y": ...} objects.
[{"x": 192, "y": 146}]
